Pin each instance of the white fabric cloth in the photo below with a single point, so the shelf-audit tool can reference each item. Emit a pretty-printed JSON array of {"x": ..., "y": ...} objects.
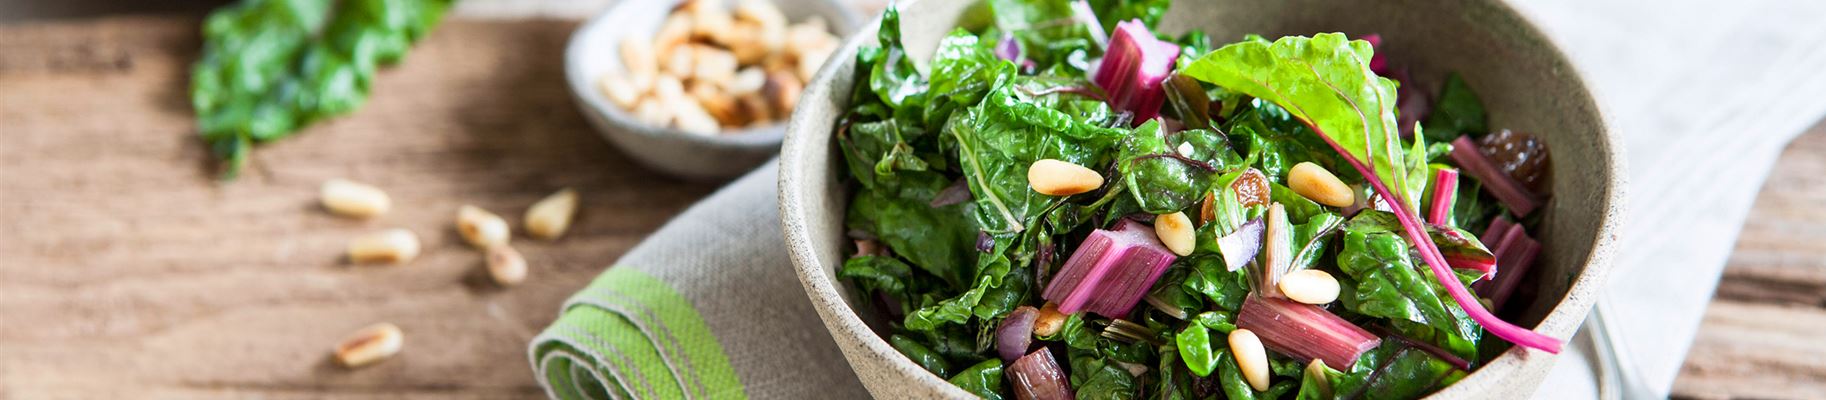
[{"x": 1705, "y": 94}]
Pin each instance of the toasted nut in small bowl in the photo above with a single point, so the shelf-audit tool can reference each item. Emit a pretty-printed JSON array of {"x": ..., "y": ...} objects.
[{"x": 722, "y": 126}]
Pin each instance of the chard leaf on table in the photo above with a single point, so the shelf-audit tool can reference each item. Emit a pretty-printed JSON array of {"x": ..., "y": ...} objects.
[
  {"x": 983, "y": 379},
  {"x": 271, "y": 67}
]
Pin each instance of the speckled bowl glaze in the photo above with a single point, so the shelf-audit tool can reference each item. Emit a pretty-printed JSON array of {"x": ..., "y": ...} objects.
[
  {"x": 1526, "y": 82},
  {"x": 594, "y": 50}
]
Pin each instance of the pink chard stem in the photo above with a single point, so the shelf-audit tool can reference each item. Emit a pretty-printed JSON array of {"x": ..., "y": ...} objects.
[
  {"x": 1445, "y": 191},
  {"x": 1442, "y": 272}
]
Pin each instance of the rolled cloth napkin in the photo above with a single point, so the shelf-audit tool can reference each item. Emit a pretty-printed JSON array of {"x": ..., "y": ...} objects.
[{"x": 708, "y": 307}]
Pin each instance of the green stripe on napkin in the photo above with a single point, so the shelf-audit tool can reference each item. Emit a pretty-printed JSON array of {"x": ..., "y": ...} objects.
[{"x": 629, "y": 335}]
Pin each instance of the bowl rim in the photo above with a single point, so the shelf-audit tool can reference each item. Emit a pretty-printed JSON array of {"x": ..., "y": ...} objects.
[
  {"x": 1561, "y": 321},
  {"x": 843, "y": 20}
]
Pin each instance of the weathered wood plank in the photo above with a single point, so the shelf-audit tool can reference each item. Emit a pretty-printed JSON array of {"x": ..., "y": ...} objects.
[
  {"x": 126, "y": 271},
  {"x": 1762, "y": 335}
]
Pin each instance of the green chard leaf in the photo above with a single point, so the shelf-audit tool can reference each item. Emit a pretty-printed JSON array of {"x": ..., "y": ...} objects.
[
  {"x": 1395, "y": 370},
  {"x": 1382, "y": 281},
  {"x": 1095, "y": 377},
  {"x": 1458, "y": 112},
  {"x": 998, "y": 139},
  {"x": 983, "y": 379},
  {"x": 271, "y": 67},
  {"x": 920, "y": 354},
  {"x": 939, "y": 240},
  {"x": 1324, "y": 80}
]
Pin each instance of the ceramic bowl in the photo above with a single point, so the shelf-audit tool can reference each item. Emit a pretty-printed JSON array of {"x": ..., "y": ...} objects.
[
  {"x": 1526, "y": 82},
  {"x": 594, "y": 50}
]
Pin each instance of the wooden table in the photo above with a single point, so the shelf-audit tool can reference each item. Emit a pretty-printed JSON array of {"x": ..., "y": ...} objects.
[
  {"x": 1764, "y": 335},
  {"x": 127, "y": 272}
]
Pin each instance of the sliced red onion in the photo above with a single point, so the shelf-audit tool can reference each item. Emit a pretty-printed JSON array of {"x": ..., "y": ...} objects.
[
  {"x": 1009, "y": 48},
  {"x": 1304, "y": 331},
  {"x": 1241, "y": 246},
  {"x": 1036, "y": 376},
  {"x": 1110, "y": 271},
  {"x": 1015, "y": 333},
  {"x": 1505, "y": 188},
  {"x": 1133, "y": 68},
  {"x": 958, "y": 192},
  {"x": 1445, "y": 192}
]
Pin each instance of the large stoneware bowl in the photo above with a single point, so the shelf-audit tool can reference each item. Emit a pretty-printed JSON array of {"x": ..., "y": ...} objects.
[{"x": 1524, "y": 79}]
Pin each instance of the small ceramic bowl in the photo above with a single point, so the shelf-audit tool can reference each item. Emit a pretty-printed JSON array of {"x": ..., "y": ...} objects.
[
  {"x": 1525, "y": 81},
  {"x": 594, "y": 50}
]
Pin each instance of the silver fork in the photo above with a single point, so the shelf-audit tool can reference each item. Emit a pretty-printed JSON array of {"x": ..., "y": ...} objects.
[{"x": 1618, "y": 378}]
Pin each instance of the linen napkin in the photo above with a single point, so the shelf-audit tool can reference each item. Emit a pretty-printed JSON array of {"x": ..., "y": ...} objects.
[{"x": 708, "y": 307}]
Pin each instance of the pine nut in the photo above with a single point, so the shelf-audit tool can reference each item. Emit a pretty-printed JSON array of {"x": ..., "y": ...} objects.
[
  {"x": 551, "y": 216},
  {"x": 348, "y": 198},
  {"x": 481, "y": 228},
  {"x": 679, "y": 61},
  {"x": 761, "y": 12},
  {"x": 1175, "y": 231},
  {"x": 1316, "y": 371},
  {"x": 674, "y": 32},
  {"x": 709, "y": 19},
  {"x": 653, "y": 112},
  {"x": 392, "y": 246},
  {"x": 1058, "y": 178},
  {"x": 713, "y": 65},
  {"x": 746, "y": 81},
  {"x": 811, "y": 60},
  {"x": 620, "y": 91},
  {"x": 782, "y": 91},
  {"x": 506, "y": 265},
  {"x": 637, "y": 56},
  {"x": 1049, "y": 321},
  {"x": 1250, "y": 357},
  {"x": 368, "y": 345},
  {"x": 717, "y": 103},
  {"x": 1310, "y": 286},
  {"x": 1318, "y": 184}
]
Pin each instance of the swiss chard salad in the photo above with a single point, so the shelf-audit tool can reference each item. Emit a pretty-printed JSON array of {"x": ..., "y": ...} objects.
[{"x": 1066, "y": 204}]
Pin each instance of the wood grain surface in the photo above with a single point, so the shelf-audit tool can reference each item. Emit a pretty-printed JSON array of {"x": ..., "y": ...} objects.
[
  {"x": 126, "y": 271},
  {"x": 1764, "y": 335}
]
